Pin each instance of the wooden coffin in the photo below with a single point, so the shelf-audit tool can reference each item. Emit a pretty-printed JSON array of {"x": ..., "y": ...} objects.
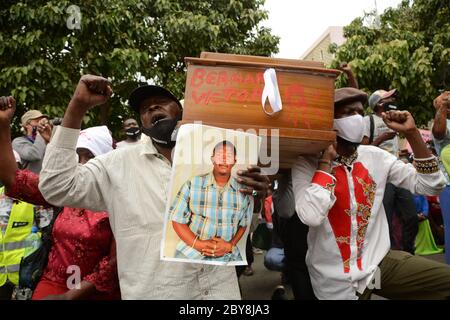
[{"x": 225, "y": 90}]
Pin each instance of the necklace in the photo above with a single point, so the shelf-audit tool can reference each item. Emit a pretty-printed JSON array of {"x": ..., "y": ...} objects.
[{"x": 348, "y": 161}]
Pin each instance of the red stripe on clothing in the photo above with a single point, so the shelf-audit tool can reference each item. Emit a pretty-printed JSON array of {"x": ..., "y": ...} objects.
[
  {"x": 339, "y": 216},
  {"x": 365, "y": 189},
  {"x": 324, "y": 180}
]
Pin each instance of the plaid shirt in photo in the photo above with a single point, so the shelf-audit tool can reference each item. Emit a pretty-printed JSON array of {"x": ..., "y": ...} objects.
[{"x": 211, "y": 211}]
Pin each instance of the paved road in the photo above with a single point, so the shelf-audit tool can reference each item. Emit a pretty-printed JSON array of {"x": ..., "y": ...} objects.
[{"x": 261, "y": 284}]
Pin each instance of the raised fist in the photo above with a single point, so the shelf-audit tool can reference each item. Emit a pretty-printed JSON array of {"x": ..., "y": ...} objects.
[
  {"x": 7, "y": 109},
  {"x": 442, "y": 101},
  {"x": 399, "y": 121},
  {"x": 91, "y": 91}
]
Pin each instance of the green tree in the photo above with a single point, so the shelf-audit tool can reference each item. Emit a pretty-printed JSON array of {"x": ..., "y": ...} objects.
[
  {"x": 45, "y": 46},
  {"x": 408, "y": 48}
]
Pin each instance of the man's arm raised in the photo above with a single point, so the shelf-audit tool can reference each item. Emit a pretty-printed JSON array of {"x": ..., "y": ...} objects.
[
  {"x": 8, "y": 164},
  {"x": 62, "y": 181},
  {"x": 442, "y": 104},
  {"x": 90, "y": 92}
]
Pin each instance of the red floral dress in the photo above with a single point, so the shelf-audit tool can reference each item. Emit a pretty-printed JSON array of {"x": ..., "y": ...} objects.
[{"x": 81, "y": 239}]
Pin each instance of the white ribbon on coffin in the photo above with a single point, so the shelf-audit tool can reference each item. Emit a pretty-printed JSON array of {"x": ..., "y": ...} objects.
[{"x": 271, "y": 92}]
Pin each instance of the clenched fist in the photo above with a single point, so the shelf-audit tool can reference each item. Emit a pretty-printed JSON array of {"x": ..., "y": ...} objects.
[
  {"x": 7, "y": 109},
  {"x": 91, "y": 91},
  {"x": 442, "y": 103},
  {"x": 399, "y": 121}
]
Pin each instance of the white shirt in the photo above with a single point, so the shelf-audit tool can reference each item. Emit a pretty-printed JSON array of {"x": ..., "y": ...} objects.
[
  {"x": 131, "y": 184},
  {"x": 335, "y": 223},
  {"x": 125, "y": 143}
]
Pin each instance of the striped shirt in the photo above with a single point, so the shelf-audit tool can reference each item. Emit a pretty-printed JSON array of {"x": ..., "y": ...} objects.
[{"x": 211, "y": 211}]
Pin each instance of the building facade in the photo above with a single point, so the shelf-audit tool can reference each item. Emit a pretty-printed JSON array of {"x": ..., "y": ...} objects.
[{"x": 319, "y": 50}]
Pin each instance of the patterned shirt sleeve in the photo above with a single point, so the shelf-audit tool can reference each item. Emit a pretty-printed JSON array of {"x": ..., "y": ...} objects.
[
  {"x": 180, "y": 211},
  {"x": 25, "y": 188},
  {"x": 325, "y": 180},
  {"x": 407, "y": 177},
  {"x": 314, "y": 195}
]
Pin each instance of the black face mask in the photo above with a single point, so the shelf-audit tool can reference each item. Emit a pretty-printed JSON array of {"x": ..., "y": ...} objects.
[
  {"x": 163, "y": 132},
  {"x": 133, "y": 132}
]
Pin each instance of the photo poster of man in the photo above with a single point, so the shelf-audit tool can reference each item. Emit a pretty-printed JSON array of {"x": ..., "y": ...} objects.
[{"x": 207, "y": 218}]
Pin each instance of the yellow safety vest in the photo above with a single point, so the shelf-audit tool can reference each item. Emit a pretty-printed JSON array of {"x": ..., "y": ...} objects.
[{"x": 12, "y": 242}]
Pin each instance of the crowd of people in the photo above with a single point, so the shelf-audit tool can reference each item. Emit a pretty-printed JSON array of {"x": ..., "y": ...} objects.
[{"x": 334, "y": 217}]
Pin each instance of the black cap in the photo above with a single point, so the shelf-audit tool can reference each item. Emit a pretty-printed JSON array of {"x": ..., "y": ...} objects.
[
  {"x": 144, "y": 92},
  {"x": 348, "y": 95}
]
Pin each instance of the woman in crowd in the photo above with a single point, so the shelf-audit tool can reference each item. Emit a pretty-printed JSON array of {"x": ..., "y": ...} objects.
[{"x": 83, "y": 243}]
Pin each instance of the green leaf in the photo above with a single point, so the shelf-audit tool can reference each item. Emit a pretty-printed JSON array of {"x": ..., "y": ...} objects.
[
  {"x": 22, "y": 96},
  {"x": 126, "y": 40},
  {"x": 410, "y": 51}
]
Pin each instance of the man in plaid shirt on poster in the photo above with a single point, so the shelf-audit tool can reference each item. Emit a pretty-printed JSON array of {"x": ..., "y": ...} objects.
[{"x": 209, "y": 214}]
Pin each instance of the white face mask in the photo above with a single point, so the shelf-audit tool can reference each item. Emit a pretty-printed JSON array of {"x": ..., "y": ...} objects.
[{"x": 350, "y": 128}]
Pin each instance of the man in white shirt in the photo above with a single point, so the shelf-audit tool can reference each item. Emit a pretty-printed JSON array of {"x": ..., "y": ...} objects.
[
  {"x": 339, "y": 195},
  {"x": 132, "y": 184},
  {"x": 396, "y": 201}
]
